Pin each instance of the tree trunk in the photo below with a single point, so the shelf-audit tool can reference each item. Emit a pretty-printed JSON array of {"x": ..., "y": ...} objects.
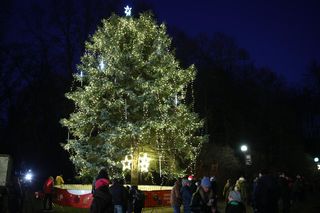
[{"x": 134, "y": 168}]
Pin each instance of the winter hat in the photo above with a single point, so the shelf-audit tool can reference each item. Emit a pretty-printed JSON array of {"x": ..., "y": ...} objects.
[
  {"x": 185, "y": 181},
  {"x": 234, "y": 195},
  {"x": 190, "y": 177},
  {"x": 101, "y": 182},
  {"x": 205, "y": 182}
]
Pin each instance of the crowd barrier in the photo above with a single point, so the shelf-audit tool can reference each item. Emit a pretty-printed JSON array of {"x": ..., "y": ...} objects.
[{"x": 79, "y": 196}]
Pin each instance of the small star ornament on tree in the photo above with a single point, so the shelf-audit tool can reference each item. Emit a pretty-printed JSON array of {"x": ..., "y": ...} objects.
[
  {"x": 126, "y": 163},
  {"x": 127, "y": 10}
]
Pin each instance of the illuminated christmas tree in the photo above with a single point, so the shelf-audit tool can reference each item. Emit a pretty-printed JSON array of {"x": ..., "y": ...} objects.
[{"x": 131, "y": 98}]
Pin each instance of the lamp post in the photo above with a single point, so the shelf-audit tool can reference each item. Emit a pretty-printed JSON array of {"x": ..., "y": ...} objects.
[
  {"x": 247, "y": 157},
  {"x": 316, "y": 160},
  {"x": 244, "y": 149}
]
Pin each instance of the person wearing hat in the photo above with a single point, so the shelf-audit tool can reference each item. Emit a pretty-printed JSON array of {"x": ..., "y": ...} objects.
[
  {"x": 203, "y": 199},
  {"x": 102, "y": 199},
  {"x": 186, "y": 195},
  {"x": 234, "y": 203}
]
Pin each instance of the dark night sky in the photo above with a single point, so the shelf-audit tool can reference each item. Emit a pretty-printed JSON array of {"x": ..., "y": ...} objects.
[{"x": 282, "y": 35}]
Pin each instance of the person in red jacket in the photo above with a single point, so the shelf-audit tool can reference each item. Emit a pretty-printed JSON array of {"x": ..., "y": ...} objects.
[{"x": 48, "y": 192}]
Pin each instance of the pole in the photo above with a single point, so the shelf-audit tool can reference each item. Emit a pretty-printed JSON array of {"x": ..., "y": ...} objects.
[{"x": 160, "y": 172}]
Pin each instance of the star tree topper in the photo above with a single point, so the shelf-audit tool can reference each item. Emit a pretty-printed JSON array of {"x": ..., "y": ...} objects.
[{"x": 127, "y": 10}]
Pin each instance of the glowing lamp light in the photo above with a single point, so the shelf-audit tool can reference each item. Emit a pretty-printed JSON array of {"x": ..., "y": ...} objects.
[
  {"x": 318, "y": 166},
  {"x": 316, "y": 159},
  {"x": 126, "y": 163},
  {"x": 28, "y": 176},
  {"x": 244, "y": 148},
  {"x": 127, "y": 10}
]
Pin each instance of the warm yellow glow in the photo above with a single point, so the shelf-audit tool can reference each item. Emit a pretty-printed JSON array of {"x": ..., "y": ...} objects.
[
  {"x": 126, "y": 163},
  {"x": 144, "y": 162}
]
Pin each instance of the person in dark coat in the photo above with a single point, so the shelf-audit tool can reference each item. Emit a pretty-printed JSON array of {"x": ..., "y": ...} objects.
[
  {"x": 284, "y": 193},
  {"x": 265, "y": 195},
  {"x": 214, "y": 188},
  {"x": 298, "y": 189},
  {"x": 186, "y": 195},
  {"x": 234, "y": 204},
  {"x": 119, "y": 196},
  {"x": 203, "y": 199},
  {"x": 138, "y": 199},
  {"x": 193, "y": 183},
  {"x": 130, "y": 199},
  {"x": 102, "y": 199},
  {"x": 15, "y": 196}
]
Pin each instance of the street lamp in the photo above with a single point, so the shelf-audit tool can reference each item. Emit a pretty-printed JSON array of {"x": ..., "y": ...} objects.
[
  {"x": 247, "y": 155},
  {"x": 316, "y": 160},
  {"x": 28, "y": 176},
  {"x": 244, "y": 148}
]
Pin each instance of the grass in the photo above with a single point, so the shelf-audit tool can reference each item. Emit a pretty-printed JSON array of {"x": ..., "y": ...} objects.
[{"x": 310, "y": 205}]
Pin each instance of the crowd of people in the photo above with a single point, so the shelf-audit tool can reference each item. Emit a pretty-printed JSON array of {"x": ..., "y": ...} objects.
[
  {"x": 108, "y": 196},
  {"x": 195, "y": 196},
  {"x": 264, "y": 194},
  {"x": 267, "y": 193},
  {"x": 116, "y": 198}
]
